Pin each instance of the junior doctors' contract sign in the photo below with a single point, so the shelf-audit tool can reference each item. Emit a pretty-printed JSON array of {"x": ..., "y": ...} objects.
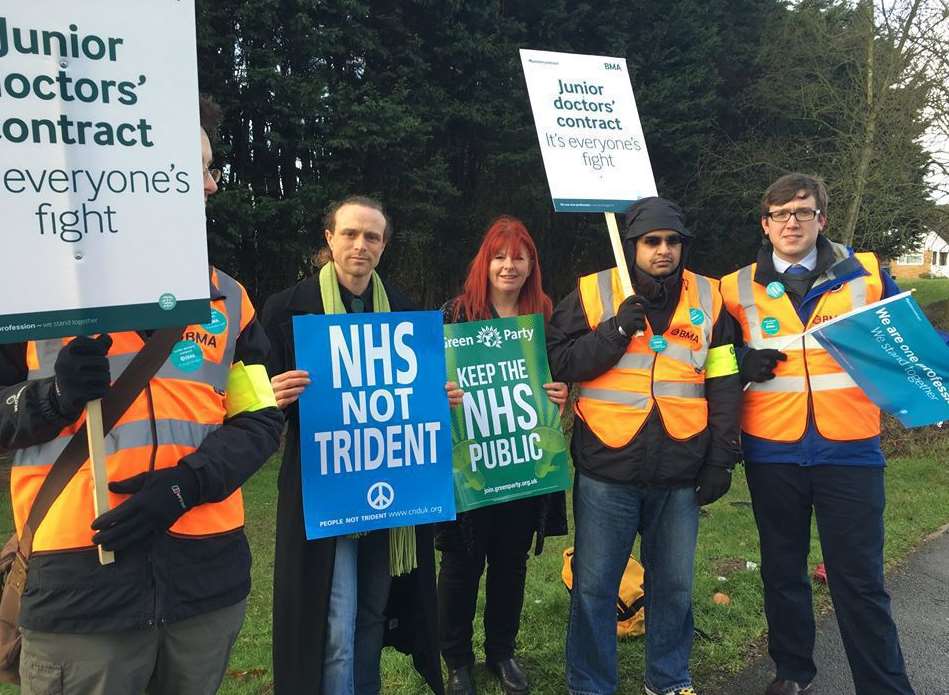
[
  {"x": 100, "y": 168},
  {"x": 375, "y": 444},
  {"x": 589, "y": 131},
  {"x": 507, "y": 438}
]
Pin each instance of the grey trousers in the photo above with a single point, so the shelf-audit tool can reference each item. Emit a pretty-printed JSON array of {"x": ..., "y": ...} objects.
[{"x": 183, "y": 658}]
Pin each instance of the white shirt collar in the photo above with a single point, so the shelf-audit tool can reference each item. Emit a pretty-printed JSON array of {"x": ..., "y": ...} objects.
[{"x": 809, "y": 261}]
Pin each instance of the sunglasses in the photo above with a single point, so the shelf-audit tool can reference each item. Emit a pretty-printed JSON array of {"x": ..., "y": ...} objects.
[{"x": 655, "y": 241}]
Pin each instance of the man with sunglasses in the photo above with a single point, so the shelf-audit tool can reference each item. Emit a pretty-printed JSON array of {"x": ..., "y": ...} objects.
[
  {"x": 655, "y": 437},
  {"x": 811, "y": 442}
]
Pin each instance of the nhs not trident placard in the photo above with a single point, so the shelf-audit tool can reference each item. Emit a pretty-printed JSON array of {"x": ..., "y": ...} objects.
[{"x": 589, "y": 131}]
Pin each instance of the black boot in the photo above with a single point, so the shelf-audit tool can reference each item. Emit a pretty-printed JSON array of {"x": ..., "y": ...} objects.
[
  {"x": 512, "y": 677},
  {"x": 460, "y": 681}
]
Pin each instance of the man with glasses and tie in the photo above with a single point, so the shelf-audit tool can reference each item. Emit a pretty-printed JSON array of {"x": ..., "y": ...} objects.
[
  {"x": 811, "y": 442},
  {"x": 655, "y": 437}
]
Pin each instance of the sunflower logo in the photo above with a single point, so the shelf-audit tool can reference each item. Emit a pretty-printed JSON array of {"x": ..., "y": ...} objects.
[{"x": 489, "y": 337}]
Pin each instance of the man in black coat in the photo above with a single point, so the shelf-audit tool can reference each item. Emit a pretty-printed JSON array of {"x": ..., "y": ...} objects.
[{"x": 314, "y": 648}]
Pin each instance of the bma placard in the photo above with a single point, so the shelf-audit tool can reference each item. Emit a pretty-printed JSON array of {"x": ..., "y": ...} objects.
[
  {"x": 101, "y": 177},
  {"x": 589, "y": 131},
  {"x": 375, "y": 440}
]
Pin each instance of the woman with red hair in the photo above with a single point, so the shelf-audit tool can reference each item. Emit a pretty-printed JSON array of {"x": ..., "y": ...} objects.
[{"x": 503, "y": 280}]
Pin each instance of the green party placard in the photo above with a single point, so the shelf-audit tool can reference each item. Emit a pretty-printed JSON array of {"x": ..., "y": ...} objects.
[{"x": 506, "y": 436}]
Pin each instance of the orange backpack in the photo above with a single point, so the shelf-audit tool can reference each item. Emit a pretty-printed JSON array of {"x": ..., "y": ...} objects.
[{"x": 630, "y": 600}]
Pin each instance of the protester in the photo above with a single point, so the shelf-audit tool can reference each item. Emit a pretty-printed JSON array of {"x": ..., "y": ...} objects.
[
  {"x": 338, "y": 600},
  {"x": 811, "y": 442},
  {"x": 655, "y": 437},
  {"x": 504, "y": 280},
  {"x": 164, "y": 616}
]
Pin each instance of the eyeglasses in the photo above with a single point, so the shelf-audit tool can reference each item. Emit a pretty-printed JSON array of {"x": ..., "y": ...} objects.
[
  {"x": 801, "y": 215},
  {"x": 654, "y": 241},
  {"x": 215, "y": 174}
]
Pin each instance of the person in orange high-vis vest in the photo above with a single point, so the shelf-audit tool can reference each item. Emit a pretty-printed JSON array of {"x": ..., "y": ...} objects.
[
  {"x": 655, "y": 437},
  {"x": 811, "y": 441},
  {"x": 164, "y": 616}
]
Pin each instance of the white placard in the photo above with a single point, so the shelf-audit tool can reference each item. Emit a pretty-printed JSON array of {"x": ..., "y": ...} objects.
[
  {"x": 589, "y": 131},
  {"x": 100, "y": 168}
]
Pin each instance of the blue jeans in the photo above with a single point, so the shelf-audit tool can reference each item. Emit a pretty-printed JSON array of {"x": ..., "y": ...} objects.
[
  {"x": 607, "y": 517},
  {"x": 356, "y": 619}
]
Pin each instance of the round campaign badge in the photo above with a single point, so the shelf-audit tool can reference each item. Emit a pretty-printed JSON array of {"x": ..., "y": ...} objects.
[
  {"x": 696, "y": 316},
  {"x": 657, "y": 343},
  {"x": 770, "y": 325},
  {"x": 167, "y": 301},
  {"x": 187, "y": 356},
  {"x": 217, "y": 324},
  {"x": 775, "y": 289}
]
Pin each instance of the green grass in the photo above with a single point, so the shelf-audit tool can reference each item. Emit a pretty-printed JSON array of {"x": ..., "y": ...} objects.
[
  {"x": 927, "y": 291},
  {"x": 917, "y": 504}
]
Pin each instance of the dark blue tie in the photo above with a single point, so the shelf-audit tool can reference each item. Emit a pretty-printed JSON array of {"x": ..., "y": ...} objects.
[{"x": 797, "y": 269}]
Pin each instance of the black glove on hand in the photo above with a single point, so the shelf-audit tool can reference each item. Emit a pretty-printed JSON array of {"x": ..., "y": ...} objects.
[
  {"x": 631, "y": 316},
  {"x": 82, "y": 373},
  {"x": 758, "y": 365},
  {"x": 158, "y": 499},
  {"x": 713, "y": 482}
]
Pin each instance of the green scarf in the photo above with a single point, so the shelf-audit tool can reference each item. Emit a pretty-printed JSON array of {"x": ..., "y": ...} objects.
[{"x": 401, "y": 540}]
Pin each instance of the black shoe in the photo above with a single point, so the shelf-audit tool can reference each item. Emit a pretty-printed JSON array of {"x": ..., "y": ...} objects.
[
  {"x": 512, "y": 677},
  {"x": 779, "y": 687},
  {"x": 460, "y": 681}
]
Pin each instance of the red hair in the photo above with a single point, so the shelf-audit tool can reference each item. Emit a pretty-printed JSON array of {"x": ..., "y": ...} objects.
[{"x": 474, "y": 302}]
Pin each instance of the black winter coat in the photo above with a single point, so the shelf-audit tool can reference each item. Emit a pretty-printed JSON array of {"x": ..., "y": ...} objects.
[
  {"x": 652, "y": 457},
  {"x": 303, "y": 570}
]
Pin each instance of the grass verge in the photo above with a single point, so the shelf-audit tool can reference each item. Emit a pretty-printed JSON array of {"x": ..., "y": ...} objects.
[{"x": 917, "y": 504}]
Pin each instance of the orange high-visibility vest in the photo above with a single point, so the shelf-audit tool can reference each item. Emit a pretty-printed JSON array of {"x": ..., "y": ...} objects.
[
  {"x": 615, "y": 404},
  {"x": 810, "y": 380},
  {"x": 181, "y": 405}
]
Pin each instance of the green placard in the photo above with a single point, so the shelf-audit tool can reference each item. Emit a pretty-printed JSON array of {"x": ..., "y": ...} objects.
[{"x": 506, "y": 437}]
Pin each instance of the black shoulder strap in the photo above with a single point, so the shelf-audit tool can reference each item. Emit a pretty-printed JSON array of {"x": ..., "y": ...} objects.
[{"x": 114, "y": 404}]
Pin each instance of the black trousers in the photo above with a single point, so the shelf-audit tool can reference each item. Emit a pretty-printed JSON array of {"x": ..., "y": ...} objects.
[
  {"x": 502, "y": 538},
  {"x": 848, "y": 502}
]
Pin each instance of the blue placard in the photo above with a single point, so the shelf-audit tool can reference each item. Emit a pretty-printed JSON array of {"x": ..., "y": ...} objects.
[
  {"x": 375, "y": 435},
  {"x": 895, "y": 355}
]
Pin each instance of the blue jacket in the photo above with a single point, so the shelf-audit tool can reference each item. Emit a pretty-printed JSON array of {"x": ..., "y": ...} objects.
[{"x": 813, "y": 449}]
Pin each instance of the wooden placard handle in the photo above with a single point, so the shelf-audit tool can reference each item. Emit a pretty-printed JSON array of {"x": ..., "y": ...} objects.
[
  {"x": 620, "y": 257},
  {"x": 100, "y": 481}
]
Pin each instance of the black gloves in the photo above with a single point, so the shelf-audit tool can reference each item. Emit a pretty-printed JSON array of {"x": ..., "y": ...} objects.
[
  {"x": 631, "y": 317},
  {"x": 82, "y": 373},
  {"x": 712, "y": 483},
  {"x": 158, "y": 499},
  {"x": 758, "y": 365}
]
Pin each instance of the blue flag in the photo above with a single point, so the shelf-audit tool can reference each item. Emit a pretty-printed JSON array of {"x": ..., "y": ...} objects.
[
  {"x": 895, "y": 355},
  {"x": 375, "y": 437}
]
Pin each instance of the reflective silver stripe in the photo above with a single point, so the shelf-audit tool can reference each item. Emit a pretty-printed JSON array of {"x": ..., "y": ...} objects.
[
  {"x": 680, "y": 353},
  {"x": 233, "y": 296},
  {"x": 858, "y": 292},
  {"x": 128, "y": 436},
  {"x": 636, "y": 400},
  {"x": 46, "y": 353},
  {"x": 208, "y": 373},
  {"x": 779, "y": 384},
  {"x": 635, "y": 360},
  {"x": 746, "y": 297},
  {"x": 678, "y": 388},
  {"x": 832, "y": 382},
  {"x": 604, "y": 282}
]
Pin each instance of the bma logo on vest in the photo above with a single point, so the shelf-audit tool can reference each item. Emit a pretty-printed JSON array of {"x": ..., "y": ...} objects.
[
  {"x": 821, "y": 318},
  {"x": 199, "y": 337},
  {"x": 685, "y": 333}
]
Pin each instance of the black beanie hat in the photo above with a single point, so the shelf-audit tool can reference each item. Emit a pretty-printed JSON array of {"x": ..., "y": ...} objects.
[{"x": 653, "y": 213}]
